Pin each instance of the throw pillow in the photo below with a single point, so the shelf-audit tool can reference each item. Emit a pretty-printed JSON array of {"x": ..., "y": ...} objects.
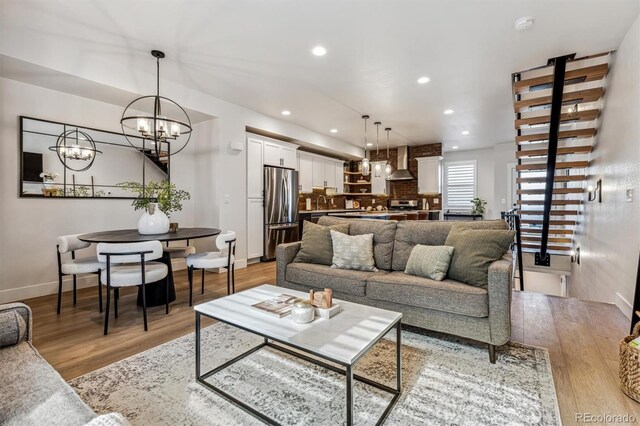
[
  {"x": 429, "y": 261},
  {"x": 316, "y": 245},
  {"x": 474, "y": 251},
  {"x": 12, "y": 328},
  {"x": 353, "y": 251}
]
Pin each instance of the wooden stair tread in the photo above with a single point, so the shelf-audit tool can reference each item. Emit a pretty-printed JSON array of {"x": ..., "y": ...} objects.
[
  {"x": 567, "y": 150},
  {"x": 549, "y": 247},
  {"x": 561, "y": 165},
  {"x": 550, "y": 239},
  {"x": 542, "y": 179},
  {"x": 566, "y": 134},
  {"x": 552, "y": 231},
  {"x": 553, "y": 212},
  {"x": 551, "y": 222},
  {"x": 586, "y": 74},
  {"x": 553, "y": 202},
  {"x": 586, "y": 115},
  {"x": 579, "y": 96},
  {"x": 555, "y": 191}
]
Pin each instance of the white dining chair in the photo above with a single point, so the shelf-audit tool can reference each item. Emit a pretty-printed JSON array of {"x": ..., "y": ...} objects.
[
  {"x": 128, "y": 265},
  {"x": 224, "y": 258},
  {"x": 85, "y": 265}
]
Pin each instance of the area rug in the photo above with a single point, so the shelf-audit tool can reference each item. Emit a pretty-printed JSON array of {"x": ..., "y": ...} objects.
[{"x": 446, "y": 381}]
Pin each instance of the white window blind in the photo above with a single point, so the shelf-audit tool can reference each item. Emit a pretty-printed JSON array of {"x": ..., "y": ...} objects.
[{"x": 460, "y": 181}]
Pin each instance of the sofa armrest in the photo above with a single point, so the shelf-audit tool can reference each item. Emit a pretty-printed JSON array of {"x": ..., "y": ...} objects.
[
  {"x": 285, "y": 253},
  {"x": 8, "y": 325},
  {"x": 499, "y": 289}
]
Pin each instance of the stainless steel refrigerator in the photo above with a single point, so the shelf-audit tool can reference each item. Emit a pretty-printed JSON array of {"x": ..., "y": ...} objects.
[{"x": 280, "y": 209}]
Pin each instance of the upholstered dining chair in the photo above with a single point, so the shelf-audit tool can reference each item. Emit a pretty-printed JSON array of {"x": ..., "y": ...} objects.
[
  {"x": 85, "y": 265},
  {"x": 177, "y": 252},
  {"x": 224, "y": 258},
  {"x": 128, "y": 265}
]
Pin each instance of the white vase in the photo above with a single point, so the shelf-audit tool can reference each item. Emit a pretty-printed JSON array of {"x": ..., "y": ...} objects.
[{"x": 153, "y": 221}]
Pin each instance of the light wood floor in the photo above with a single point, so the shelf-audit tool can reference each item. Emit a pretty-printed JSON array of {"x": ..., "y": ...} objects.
[{"x": 582, "y": 337}]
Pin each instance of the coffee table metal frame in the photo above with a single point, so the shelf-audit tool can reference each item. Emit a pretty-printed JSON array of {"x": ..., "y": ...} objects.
[{"x": 282, "y": 346}]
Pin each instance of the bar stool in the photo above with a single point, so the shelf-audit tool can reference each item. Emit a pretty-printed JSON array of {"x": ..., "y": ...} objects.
[
  {"x": 73, "y": 266},
  {"x": 224, "y": 258}
]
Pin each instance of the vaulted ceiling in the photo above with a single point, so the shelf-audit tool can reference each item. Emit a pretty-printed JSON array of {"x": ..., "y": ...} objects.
[{"x": 257, "y": 54}]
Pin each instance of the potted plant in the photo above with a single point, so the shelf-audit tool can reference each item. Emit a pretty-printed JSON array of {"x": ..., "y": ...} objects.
[
  {"x": 159, "y": 200},
  {"x": 477, "y": 206}
]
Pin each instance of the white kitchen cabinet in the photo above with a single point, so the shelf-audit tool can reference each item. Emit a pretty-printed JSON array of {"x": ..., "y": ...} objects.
[
  {"x": 318, "y": 172},
  {"x": 289, "y": 158},
  {"x": 254, "y": 168},
  {"x": 379, "y": 184},
  {"x": 339, "y": 173},
  {"x": 305, "y": 173},
  {"x": 429, "y": 175},
  {"x": 255, "y": 228},
  {"x": 330, "y": 173}
]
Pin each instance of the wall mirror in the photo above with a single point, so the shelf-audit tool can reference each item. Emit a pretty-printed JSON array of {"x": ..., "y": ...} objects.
[{"x": 61, "y": 160}]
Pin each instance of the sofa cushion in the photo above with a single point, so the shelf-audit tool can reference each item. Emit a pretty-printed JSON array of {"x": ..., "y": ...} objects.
[
  {"x": 33, "y": 393},
  {"x": 474, "y": 251},
  {"x": 13, "y": 328},
  {"x": 429, "y": 261},
  {"x": 428, "y": 233},
  {"x": 322, "y": 276},
  {"x": 316, "y": 245},
  {"x": 353, "y": 252},
  {"x": 383, "y": 235},
  {"x": 448, "y": 295}
]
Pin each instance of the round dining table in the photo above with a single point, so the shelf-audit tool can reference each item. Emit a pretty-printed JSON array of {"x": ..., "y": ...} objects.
[{"x": 156, "y": 294}]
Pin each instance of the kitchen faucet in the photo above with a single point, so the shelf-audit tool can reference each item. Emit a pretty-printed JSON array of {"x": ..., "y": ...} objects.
[{"x": 318, "y": 201}]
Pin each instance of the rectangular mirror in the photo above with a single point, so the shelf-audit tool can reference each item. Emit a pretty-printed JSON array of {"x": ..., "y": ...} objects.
[{"x": 68, "y": 161}]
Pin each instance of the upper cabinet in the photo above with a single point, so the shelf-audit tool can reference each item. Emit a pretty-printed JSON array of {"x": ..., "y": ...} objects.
[
  {"x": 279, "y": 155},
  {"x": 316, "y": 171},
  {"x": 254, "y": 167},
  {"x": 429, "y": 175},
  {"x": 379, "y": 183},
  {"x": 262, "y": 152}
]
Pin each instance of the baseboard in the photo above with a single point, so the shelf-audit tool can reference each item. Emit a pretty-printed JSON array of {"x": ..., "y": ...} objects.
[
  {"x": 45, "y": 289},
  {"x": 624, "y": 306}
]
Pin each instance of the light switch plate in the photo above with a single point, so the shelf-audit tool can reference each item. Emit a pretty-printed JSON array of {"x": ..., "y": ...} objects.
[
  {"x": 226, "y": 199},
  {"x": 629, "y": 195},
  {"x": 436, "y": 201},
  {"x": 504, "y": 201}
]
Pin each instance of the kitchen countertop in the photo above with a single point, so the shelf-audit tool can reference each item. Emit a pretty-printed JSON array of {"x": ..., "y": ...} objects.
[
  {"x": 329, "y": 211},
  {"x": 364, "y": 213}
]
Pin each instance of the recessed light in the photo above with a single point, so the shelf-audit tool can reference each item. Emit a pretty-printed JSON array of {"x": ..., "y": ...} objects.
[
  {"x": 454, "y": 147},
  {"x": 334, "y": 130},
  {"x": 369, "y": 144},
  {"x": 423, "y": 80},
  {"x": 286, "y": 112},
  {"x": 465, "y": 132},
  {"x": 523, "y": 23},
  {"x": 319, "y": 51},
  {"x": 448, "y": 111}
]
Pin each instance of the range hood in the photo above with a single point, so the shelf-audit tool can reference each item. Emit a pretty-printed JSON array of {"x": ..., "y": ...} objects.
[{"x": 402, "y": 172}]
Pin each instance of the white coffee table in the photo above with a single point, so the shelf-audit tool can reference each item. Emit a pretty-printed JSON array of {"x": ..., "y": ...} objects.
[{"x": 343, "y": 339}]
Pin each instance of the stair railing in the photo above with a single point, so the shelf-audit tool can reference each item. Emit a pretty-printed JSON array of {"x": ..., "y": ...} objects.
[{"x": 513, "y": 221}]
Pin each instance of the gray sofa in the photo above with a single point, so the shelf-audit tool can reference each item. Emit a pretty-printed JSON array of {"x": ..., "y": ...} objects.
[
  {"x": 33, "y": 393},
  {"x": 446, "y": 306}
]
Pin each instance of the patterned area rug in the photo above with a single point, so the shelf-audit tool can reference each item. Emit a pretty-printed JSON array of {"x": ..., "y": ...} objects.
[{"x": 445, "y": 381}]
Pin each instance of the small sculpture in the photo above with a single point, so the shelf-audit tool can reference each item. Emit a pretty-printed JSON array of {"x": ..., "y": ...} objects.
[{"x": 321, "y": 299}]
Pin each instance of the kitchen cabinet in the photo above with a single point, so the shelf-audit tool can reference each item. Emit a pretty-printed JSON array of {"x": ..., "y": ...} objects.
[
  {"x": 339, "y": 173},
  {"x": 318, "y": 172},
  {"x": 255, "y": 228},
  {"x": 429, "y": 175},
  {"x": 254, "y": 168},
  {"x": 279, "y": 155},
  {"x": 329, "y": 173},
  {"x": 305, "y": 173},
  {"x": 325, "y": 172},
  {"x": 379, "y": 184}
]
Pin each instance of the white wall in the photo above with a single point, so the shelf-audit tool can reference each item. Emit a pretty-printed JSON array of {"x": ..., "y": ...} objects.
[
  {"x": 609, "y": 233},
  {"x": 492, "y": 174},
  {"x": 30, "y": 225}
]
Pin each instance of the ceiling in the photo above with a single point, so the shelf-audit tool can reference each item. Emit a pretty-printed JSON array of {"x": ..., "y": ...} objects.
[{"x": 256, "y": 53}]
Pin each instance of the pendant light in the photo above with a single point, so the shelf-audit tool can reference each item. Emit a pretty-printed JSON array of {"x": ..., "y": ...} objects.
[
  {"x": 387, "y": 168},
  {"x": 378, "y": 167},
  {"x": 157, "y": 119},
  {"x": 365, "y": 160}
]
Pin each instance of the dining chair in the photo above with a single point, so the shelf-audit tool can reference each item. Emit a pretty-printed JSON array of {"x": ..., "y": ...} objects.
[
  {"x": 224, "y": 258},
  {"x": 176, "y": 252},
  {"x": 74, "y": 267},
  {"x": 128, "y": 265}
]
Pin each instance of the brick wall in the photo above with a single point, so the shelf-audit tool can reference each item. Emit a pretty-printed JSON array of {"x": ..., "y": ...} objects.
[{"x": 397, "y": 189}]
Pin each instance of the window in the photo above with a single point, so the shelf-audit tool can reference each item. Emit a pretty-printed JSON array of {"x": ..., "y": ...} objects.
[{"x": 460, "y": 184}]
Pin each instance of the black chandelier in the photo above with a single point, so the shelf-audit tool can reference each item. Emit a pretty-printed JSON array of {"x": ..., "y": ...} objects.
[
  {"x": 75, "y": 144},
  {"x": 167, "y": 123}
]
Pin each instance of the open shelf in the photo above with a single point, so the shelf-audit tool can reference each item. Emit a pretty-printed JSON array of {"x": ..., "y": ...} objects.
[{"x": 357, "y": 183}]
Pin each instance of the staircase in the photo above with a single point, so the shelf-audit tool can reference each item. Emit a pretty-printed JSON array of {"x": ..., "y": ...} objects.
[
  {"x": 556, "y": 120},
  {"x": 160, "y": 159}
]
